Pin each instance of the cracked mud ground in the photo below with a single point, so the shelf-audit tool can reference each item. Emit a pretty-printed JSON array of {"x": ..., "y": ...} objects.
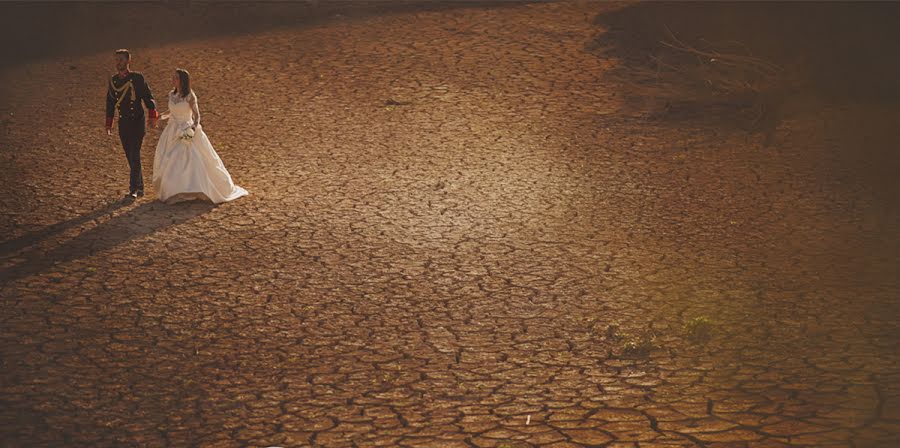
[{"x": 449, "y": 209}]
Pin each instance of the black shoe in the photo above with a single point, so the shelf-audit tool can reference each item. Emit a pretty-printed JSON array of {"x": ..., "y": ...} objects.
[
  {"x": 140, "y": 193},
  {"x": 132, "y": 195}
]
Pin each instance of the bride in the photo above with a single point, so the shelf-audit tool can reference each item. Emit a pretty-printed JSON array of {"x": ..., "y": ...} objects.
[{"x": 186, "y": 166}]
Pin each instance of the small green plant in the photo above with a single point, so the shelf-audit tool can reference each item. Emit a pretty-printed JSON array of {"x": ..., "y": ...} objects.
[
  {"x": 698, "y": 329},
  {"x": 639, "y": 346}
]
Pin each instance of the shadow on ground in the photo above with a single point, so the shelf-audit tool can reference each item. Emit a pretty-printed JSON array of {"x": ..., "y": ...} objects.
[{"x": 138, "y": 222}]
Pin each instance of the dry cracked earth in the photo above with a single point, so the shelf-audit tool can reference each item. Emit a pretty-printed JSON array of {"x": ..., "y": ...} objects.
[{"x": 458, "y": 234}]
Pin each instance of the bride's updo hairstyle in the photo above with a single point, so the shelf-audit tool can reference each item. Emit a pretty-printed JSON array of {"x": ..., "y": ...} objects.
[{"x": 185, "y": 78}]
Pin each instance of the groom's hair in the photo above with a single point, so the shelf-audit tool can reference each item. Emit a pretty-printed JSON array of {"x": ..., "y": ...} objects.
[{"x": 125, "y": 52}]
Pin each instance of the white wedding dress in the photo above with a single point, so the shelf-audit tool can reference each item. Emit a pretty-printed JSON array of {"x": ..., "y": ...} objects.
[{"x": 189, "y": 169}]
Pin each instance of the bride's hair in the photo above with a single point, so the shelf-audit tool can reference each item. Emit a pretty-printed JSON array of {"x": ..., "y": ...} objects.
[{"x": 185, "y": 79}]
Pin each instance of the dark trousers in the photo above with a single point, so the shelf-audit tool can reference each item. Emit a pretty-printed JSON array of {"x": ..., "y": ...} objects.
[{"x": 131, "y": 132}]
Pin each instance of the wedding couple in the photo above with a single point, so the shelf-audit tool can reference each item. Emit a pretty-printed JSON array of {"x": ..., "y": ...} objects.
[{"x": 185, "y": 165}]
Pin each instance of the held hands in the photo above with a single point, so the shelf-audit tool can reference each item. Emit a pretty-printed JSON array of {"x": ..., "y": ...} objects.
[
  {"x": 154, "y": 121},
  {"x": 155, "y": 116}
]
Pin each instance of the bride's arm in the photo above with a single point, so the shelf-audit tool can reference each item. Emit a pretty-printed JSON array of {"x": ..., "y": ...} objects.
[{"x": 195, "y": 109}]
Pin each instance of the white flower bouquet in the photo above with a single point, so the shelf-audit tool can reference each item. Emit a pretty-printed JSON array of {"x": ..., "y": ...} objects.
[{"x": 187, "y": 134}]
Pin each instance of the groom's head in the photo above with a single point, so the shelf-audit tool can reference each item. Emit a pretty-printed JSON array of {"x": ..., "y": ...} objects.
[{"x": 123, "y": 57}]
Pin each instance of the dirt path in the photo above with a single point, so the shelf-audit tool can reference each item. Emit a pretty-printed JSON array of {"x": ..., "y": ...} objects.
[{"x": 440, "y": 272}]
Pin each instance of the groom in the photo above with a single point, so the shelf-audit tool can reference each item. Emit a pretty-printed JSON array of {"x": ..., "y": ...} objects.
[{"x": 126, "y": 91}]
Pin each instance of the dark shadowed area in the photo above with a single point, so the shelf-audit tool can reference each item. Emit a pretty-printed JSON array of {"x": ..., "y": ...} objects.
[
  {"x": 842, "y": 50},
  {"x": 835, "y": 56},
  {"x": 46, "y": 29}
]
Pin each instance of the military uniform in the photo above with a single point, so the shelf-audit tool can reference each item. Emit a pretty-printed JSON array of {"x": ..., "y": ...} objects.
[{"x": 126, "y": 91}]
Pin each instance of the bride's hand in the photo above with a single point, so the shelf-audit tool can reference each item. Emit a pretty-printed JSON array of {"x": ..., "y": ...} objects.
[{"x": 165, "y": 115}]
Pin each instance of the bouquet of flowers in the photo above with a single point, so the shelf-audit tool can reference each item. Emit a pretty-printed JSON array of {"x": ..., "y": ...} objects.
[{"x": 187, "y": 134}]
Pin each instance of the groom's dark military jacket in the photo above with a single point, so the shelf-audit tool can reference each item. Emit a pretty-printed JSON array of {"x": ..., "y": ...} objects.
[{"x": 125, "y": 92}]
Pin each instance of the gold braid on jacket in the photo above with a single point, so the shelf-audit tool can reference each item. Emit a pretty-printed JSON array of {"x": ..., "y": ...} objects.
[{"x": 121, "y": 91}]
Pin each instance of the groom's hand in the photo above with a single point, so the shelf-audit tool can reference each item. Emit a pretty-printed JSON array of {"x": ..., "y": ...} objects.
[{"x": 153, "y": 118}]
